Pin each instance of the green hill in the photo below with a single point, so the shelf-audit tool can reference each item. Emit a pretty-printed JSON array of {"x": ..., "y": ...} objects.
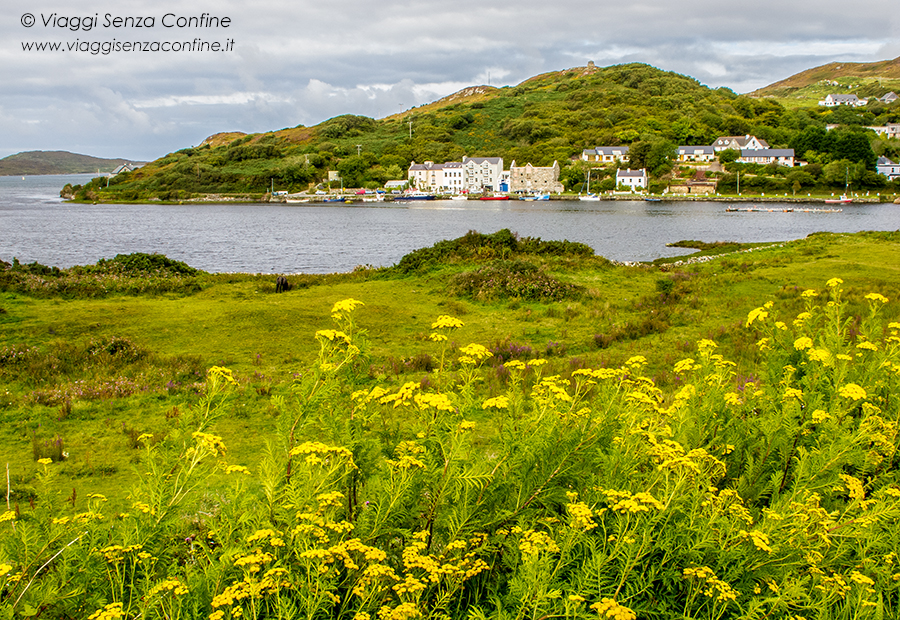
[
  {"x": 56, "y": 162},
  {"x": 870, "y": 79},
  {"x": 550, "y": 117}
]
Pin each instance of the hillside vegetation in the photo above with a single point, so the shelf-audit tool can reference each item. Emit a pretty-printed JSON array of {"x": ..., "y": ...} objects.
[
  {"x": 564, "y": 438},
  {"x": 551, "y": 117},
  {"x": 55, "y": 162}
]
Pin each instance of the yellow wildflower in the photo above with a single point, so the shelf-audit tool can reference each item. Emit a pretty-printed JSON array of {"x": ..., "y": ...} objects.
[
  {"x": 498, "y": 402},
  {"x": 834, "y": 282},
  {"x": 609, "y": 608},
  {"x": 45, "y": 461},
  {"x": 346, "y": 305},
  {"x": 803, "y": 343},
  {"x": 877, "y": 297},
  {"x": 758, "y": 314},
  {"x": 447, "y": 322},
  {"x": 110, "y": 612},
  {"x": 852, "y": 391}
]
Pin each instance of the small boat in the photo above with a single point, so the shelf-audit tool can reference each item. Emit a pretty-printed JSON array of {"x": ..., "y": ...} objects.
[
  {"x": 459, "y": 197},
  {"x": 536, "y": 197},
  {"x": 494, "y": 198},
  {"x": 844, "y": 199},
  {"x": 415, "y": 196},
  {"x": 296, "y": 200},
  {"x": 591, "y": 197},
  {"x": 341, "y": 199},
  {"x": 652, "y": 199}
]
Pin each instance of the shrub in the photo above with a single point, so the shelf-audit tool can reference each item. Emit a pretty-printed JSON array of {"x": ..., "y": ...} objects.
[{"x": 512, "y": 279}]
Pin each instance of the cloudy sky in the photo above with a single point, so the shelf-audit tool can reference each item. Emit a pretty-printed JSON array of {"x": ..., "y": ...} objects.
[{"x": 301, "y": 61}]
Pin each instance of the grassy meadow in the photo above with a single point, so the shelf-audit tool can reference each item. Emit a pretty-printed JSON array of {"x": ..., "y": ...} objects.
[{"x": 493, "y": 428}]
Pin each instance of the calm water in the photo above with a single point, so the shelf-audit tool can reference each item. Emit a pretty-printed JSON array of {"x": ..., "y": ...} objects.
[{"x": 36, "y": 225}]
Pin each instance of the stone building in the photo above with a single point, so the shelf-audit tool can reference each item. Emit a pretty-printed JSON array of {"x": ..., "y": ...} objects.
[{"x": 535, "y": 179}]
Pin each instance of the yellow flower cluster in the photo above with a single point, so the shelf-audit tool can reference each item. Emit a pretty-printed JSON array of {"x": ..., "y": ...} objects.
[
  {"x": 115, "y": 553},
  {"x": 252, "y": 562},
  {"x": 374, "y": 578},
  {"x": 210, "y": 442},
  {"x": 834, "y": 584},
  {"x": 403, "y": 395},
  {"x": 316, "y": 453},
  {"x": 345, "y": 306},
  {"x": 168, "y": 585},
  {"x": 407, "y": 453},
  {"x": 237, "y": 469},
  {"x": 758, "y": 314},
  {"x": 403, "y": 611},
  {"x": 803, "y": 343},
  {"x": 715, "y": 587},
  {"x": 249, "y": 588},
  {"x": 9, "y": 515},
  {"x": 473, "y": 354},
  {"x": 534, "y": 543},
  {"x": 113, "y": 611},
  {"x": 261, "y": 535},
  {"x": 854, "y": 487},
  {"x": 333, "y": 335},
  {"x": 446, "y": 321},
  {"x": 852, "y": 391},
  {"x": 433, "y": 401},
  {"x": 609, "y": 608},
  {"x": 497, "y": 402},
  {"x": 759, "y": 539},
  {"x": 581, "y": 515},
  {"x": 624, "y": 501},
  {"x": 220, "y": 373}
]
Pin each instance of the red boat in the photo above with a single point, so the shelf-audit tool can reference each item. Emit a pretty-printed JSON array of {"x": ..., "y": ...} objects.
[{"x": 494, "y": 198}]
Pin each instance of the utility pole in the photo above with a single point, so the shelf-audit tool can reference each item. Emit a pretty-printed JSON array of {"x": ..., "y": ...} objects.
[{"x": 358, "y": 148}]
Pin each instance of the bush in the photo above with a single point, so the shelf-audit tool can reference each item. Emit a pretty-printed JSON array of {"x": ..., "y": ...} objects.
[{"x": 512, "y": 280}]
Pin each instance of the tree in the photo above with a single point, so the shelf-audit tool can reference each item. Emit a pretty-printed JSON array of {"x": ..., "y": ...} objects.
[{"x": 728, "y": 156}]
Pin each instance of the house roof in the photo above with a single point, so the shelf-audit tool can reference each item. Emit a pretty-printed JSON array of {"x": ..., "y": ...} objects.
[
  {"x": 706, "y": 150},
  {"x": 621, "y": 174},
  {"x": 741, "y": 141},
  {"x": 884, "y": 161},
  {"x": 481, "y": 160},
  {"x": 611, "y": 150},
  {"x": 767, "y": 152},
  {"x": 843, "y": 97}
]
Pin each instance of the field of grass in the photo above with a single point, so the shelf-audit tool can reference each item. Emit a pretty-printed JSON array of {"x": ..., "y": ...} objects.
[{"x": 102, "y": 389}]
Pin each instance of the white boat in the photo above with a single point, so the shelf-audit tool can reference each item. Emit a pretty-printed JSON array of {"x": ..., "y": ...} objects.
[
  {"x": 844, "y": 199},
  {"x": 536, "y": 197},
  {"x": 459, "y": 197},
  {"x": 591, "y": 197}
]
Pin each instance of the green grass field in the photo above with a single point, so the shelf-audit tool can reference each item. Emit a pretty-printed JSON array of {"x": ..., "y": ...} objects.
[{"x": 715, "y": 438}]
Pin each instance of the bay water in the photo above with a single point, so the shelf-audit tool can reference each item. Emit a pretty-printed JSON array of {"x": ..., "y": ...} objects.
[{"x": 37, "y": 225}]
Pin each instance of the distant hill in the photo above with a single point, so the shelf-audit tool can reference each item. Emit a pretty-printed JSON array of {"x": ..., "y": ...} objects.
[
  {"x": 56, "y": 162},
  {"x": 549, "y": 117},
  {"x": 864, "y": 79}
]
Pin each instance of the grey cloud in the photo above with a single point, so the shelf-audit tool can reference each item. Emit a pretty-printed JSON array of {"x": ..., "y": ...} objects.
[{"x": 303, "y": 62}]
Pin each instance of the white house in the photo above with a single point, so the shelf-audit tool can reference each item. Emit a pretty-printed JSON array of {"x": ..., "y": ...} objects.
[
  {"x": 832, "y": 101},
  {"x": 888, "y": 168},
  {"x": 432, "y": 177},
  {"x": 891, "y": 97},
  {"x": 739, "y": 143},
  {"x": 605, "y": 154},
  {"x": 783, "y": 157},
  {"x": 633, "y": 179},
  {"x": 891, "y": 130},
  {"x": 696, "y": 153},
  {"x": 482, "y": 173}
]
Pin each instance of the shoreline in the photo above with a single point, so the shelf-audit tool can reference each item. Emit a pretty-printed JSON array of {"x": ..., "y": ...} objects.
[{"x": 352, "y": 200}]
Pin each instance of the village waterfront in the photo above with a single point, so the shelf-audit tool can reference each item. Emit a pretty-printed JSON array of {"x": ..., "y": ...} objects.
[{"x": 284, "y": 238}]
